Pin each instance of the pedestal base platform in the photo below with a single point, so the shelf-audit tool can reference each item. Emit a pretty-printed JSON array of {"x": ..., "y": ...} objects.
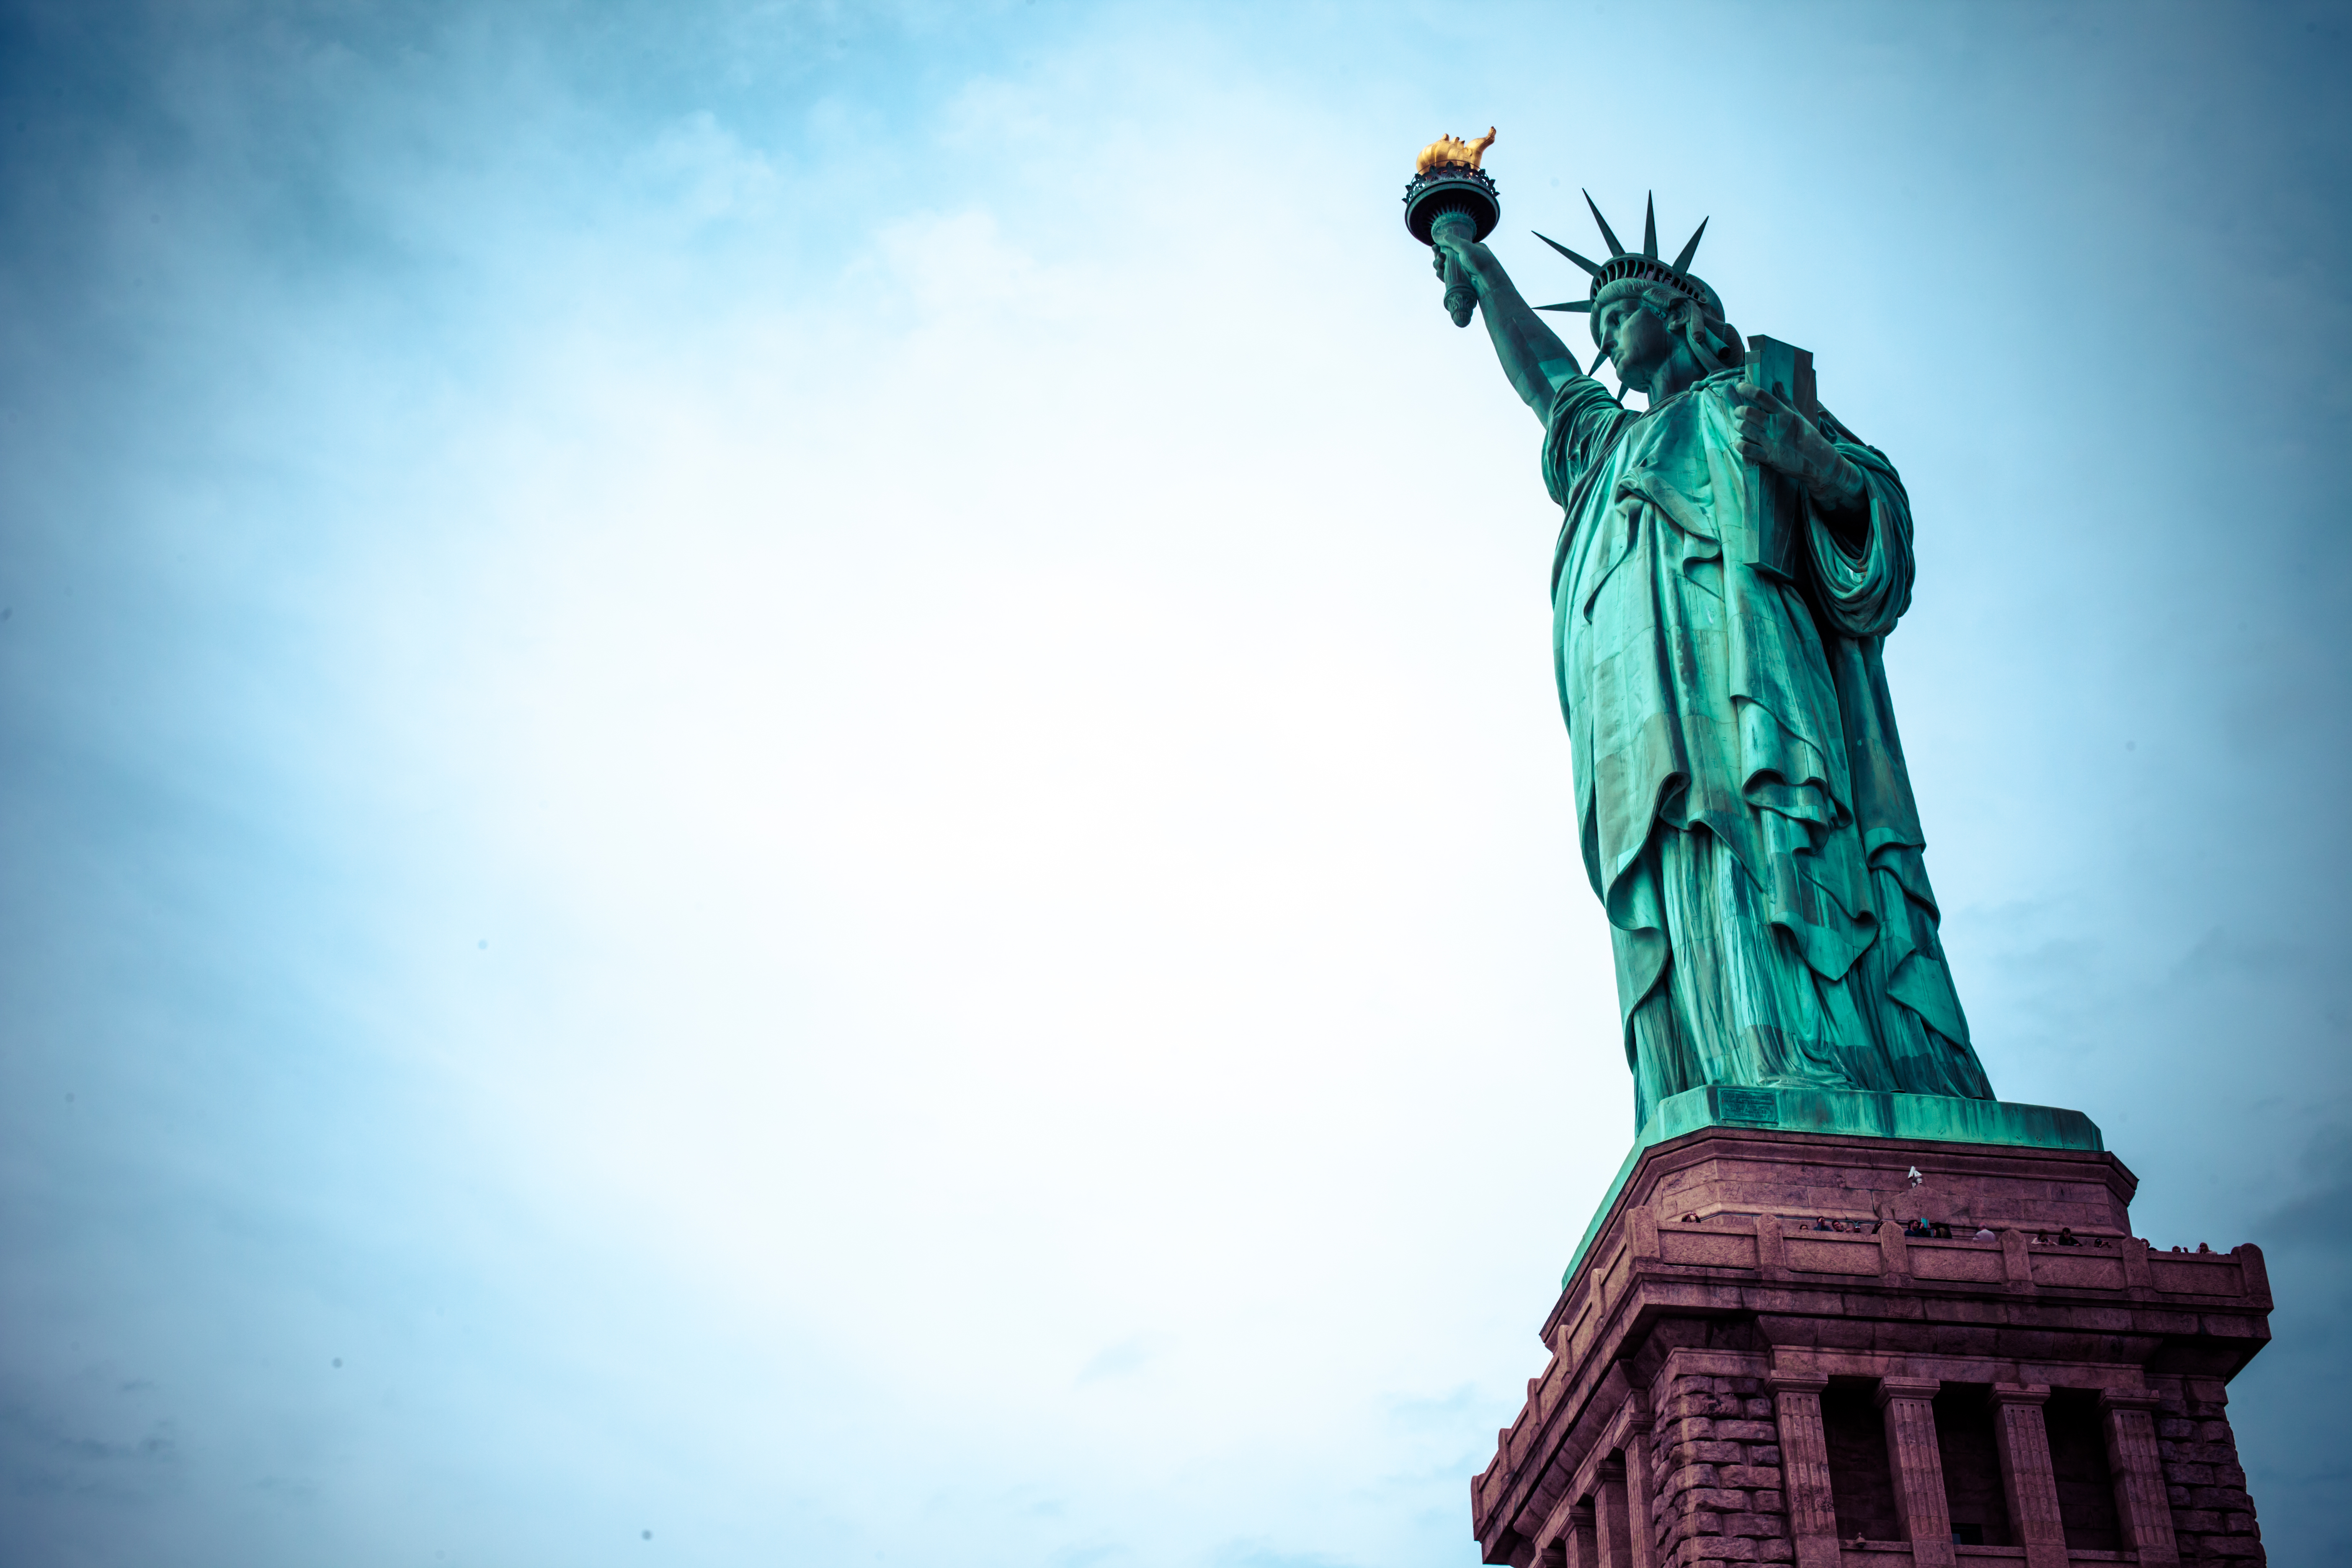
[
  {"x": 1752, "y": 1362},
  {"x": 1867, "y": 1113}
]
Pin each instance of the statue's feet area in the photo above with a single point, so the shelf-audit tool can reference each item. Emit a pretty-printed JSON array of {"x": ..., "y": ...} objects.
[{"x": 1796, "y": 1107}]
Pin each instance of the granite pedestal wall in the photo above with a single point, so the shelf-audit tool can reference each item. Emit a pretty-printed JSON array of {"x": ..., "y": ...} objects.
[{"x": 1739, "y": 1386}]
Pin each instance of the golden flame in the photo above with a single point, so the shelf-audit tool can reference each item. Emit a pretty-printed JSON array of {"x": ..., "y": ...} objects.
[{"x": 1448, "y": 153}]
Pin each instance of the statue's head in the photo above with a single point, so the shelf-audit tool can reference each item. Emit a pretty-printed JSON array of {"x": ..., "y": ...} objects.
[
  {"x": 1643, "y": 311},
  {"x": 1640, "y": 324}
]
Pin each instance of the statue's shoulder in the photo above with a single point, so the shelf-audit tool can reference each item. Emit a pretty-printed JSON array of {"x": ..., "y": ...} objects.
[
  {"x": 1692, "y": 400},
  {"x": 1690, "y": 414}
]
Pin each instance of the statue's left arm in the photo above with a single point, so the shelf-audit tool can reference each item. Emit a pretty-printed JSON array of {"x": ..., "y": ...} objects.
[
  {"x": 1862, "y": 561},
  {"x": 1860, "y": 540}
]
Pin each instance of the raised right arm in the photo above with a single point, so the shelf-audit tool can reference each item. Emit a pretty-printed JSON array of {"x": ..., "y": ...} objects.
[{"x": 1534, "y": 358}]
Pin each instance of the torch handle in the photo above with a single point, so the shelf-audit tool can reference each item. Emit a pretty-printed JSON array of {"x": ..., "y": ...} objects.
[
  {"x": 1461, "y": 299},
  {"x": 1461, "y": 295}
]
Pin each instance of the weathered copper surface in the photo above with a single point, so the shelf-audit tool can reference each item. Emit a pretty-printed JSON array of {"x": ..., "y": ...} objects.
[{"x": 1731, "y": 559}]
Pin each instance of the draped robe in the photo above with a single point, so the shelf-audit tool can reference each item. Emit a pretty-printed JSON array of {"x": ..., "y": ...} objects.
[{"x": 1741, "y": 798}]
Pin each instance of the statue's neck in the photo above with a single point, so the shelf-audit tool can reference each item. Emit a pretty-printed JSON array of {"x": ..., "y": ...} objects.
[{"x": 1679, "y": 374}]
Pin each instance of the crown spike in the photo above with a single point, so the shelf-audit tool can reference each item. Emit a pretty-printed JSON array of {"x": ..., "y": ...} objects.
[
  {"x": 1593, "y": 268},
  {"x": 1606, "y": 232},
  {"x": 1578, "y": 306},
  {"x": 1682, "y": 262},
  {"x": 1650, "y": 227}
]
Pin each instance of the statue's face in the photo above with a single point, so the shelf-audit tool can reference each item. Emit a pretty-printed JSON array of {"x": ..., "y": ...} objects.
[{"x": 1638, "y": 341}]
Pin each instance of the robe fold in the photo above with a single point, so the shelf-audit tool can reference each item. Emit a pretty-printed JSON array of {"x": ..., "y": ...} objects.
[{"x": 1745, "y": 813}]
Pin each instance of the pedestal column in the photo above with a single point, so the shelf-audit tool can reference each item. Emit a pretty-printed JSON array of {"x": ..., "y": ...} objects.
[
  {"x": 1581, "y": 1538},
  {"x": 1919, "y": 1466},
  {"x": 2027, "y": 1482},
  {"x": 2143, "y": 1508},
  {"x": 1613, "y": 1529},
  {"x": 1805, "y": 1467},
  {"x": 1639, "y": 1490}
]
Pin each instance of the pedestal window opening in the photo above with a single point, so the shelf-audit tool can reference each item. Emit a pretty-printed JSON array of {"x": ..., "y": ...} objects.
[
  {"x": 2078, "y": 1458},
  {"x": 1970, "y": 1447},
  {"x": 1862, "y": 1480}
]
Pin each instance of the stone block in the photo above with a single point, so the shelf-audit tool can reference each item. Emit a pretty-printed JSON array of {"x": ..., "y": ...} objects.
[
  {"x": 1720, "y": 1499},
  {"x": 1977, "y": 1316},
  {"x": 1748, "y": 1476},
  {"x": 1691, "y": 1476},
  {"x": 1748, "y": 1431},
  {"x": 1751, "y": 1524},
  {"x": 1697, "y": 1522},
  {"x": 1847, "y": 1332}
]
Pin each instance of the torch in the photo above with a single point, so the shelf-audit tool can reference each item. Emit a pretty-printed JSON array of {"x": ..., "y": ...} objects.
[{"x": 1448, "y": 186}]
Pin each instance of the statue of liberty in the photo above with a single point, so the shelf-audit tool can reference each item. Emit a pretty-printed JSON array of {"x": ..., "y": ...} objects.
[{"x": 1745, "y": 813}]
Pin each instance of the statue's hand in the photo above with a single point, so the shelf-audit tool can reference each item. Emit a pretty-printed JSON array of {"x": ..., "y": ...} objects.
[
  {"x": 1450, "y": 240},
  {"x": 1773, "y": 434}
]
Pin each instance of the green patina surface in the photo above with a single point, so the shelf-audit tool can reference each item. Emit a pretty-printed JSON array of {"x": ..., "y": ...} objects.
[
  {"x": 1731, "y": 559},
  {"x": 1942, "y": 1118}
]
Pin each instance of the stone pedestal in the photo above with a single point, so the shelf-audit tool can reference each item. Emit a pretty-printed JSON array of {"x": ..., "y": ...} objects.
[{"x": 1730, "y": 1383}]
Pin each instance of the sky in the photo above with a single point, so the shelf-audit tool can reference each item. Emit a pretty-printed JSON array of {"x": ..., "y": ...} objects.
[{"x": 779, "y": 782}]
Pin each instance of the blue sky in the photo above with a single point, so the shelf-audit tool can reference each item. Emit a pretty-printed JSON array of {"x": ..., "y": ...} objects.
[{"x": 780, "y": 784}]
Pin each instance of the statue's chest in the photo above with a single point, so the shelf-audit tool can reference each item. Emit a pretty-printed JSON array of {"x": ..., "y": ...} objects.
[{"x": 1647, "y": 546}]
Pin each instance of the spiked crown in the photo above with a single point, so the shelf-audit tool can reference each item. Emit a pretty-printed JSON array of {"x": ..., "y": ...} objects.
[{"x": 1644, "y": 266}]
